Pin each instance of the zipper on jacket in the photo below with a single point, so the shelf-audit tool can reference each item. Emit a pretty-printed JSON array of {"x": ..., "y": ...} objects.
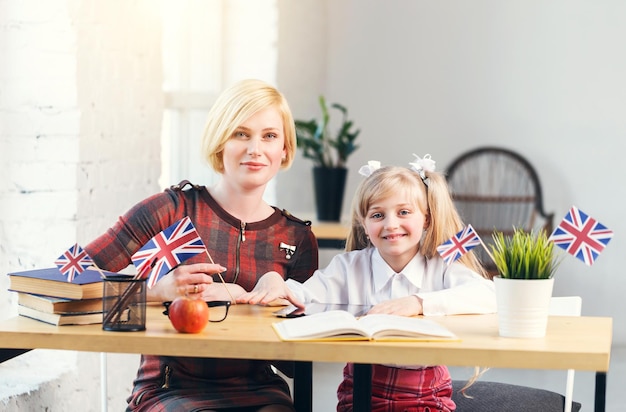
[
  {"x": 138, "y": 400},
  {"x": 242, "y": 238},
  {"x": 166, "y": 384},
  {"x": 167, "y": 373}
]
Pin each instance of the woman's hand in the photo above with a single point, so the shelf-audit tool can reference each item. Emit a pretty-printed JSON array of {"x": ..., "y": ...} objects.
[
  {"x": 407, "y": 306},
  {"x": 191, "y": 280},
  {"x": 270, "y": 287},
  {"x": 222, "y": 291}
]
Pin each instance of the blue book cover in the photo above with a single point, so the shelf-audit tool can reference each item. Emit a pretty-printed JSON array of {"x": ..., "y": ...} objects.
[{"x": 51, "y": 282}]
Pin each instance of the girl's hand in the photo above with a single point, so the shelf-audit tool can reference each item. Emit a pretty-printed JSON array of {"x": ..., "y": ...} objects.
[
  {"x": 407, "y": 306},
  {"x": 191, "y": 280},
  {"x": 270, "y": 287}
]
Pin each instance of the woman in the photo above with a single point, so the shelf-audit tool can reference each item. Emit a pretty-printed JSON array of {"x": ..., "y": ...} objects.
[{"x": 249, "y": 137}]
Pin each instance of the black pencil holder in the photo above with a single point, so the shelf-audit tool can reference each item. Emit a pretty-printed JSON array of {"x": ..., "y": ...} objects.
[{"x": 124, "y": 304}]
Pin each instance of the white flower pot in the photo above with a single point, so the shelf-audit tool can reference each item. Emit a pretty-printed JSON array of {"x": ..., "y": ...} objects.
[{"x": 523, "y": 306}]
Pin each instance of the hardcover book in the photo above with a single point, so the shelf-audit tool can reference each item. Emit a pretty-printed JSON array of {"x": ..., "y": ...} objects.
[
  {"x": 51, "y": 304},
  {"x": 51, "y": 282},
  {"x": 342, "y": 325},
  {"x": 60, "y": 319}
]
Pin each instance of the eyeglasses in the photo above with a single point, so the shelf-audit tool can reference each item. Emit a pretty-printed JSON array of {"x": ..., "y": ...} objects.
[{"x": 218, "y": 309}]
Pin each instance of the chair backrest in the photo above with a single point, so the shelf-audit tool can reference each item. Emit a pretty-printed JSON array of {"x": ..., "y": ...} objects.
[
  {"x": 496, "y": 189},
  {"x": 565, "y": 306}
]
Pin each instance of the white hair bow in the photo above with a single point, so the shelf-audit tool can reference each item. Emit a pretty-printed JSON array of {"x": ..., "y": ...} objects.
[
  {"x": 422, "y": 166},
  {"x": 369, "y": 168}
]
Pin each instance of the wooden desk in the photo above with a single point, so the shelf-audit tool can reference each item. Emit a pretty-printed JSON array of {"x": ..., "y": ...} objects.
[
  {"x": 330, "y": 235},
  {"x": 582, "y": 343}
]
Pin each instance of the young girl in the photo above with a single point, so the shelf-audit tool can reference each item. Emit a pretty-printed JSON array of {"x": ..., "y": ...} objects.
[{"x": 399, "y": 217}]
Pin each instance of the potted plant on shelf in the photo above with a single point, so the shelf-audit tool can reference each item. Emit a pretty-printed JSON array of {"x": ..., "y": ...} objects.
[
  {"x": 329, "y": 153},
  {"x": 526, "y": 265}
]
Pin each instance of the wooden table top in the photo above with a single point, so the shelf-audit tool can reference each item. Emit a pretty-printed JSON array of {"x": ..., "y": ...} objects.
[
  {"x": 329, "y": 230},
  {"x": 582, "y": 343}
]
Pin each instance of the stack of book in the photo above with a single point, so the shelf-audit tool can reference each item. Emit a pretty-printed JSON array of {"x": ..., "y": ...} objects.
[{"x": 46, "y": 295}]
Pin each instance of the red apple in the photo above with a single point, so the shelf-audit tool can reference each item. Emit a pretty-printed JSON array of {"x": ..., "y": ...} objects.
[{"x": 188, "y": 315}]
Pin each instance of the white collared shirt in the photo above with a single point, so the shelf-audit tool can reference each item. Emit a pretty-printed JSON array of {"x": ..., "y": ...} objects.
[{"x": 362, "y": 277}]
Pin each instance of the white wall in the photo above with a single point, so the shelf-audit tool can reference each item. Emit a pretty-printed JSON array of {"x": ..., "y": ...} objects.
[
  {"x": 543, "y": 78},
  {"x": 80, "y": 117}
]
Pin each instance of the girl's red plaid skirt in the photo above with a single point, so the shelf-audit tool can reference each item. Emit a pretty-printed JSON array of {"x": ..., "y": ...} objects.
[{"x": 402, "y": 390}]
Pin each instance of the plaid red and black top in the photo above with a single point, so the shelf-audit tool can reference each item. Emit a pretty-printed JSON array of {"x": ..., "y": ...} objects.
[{"x": 247, "y": 250}]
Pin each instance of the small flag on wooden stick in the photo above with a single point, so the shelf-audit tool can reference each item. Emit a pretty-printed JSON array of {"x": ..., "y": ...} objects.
[
  {"x": 581, "y": 236},
  {"x": 73, "y": 262},
  {"x": 459, "y": 244}
]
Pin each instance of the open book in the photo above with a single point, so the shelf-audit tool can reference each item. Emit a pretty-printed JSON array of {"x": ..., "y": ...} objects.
[{"x": 342, "y": 325}]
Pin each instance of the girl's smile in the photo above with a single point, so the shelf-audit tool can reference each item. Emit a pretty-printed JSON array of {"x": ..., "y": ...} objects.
[{"x": 393, "y": 236}]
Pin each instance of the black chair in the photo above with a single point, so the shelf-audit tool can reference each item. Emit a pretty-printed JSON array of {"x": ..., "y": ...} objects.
[
  {"x": 504, "y": 397},
  {"x": 496, "y": 189}
]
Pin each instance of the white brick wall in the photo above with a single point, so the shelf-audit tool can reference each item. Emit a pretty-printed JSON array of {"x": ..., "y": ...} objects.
[{"x": 80, "y": 118}]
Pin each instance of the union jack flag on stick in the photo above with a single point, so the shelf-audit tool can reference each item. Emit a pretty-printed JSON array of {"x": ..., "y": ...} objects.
[
  {"x": 73, "y": 262},
  {"x": 167, "y": 249},
  {"x": 459, "y": 244},
  {"x": 581, "y": 235}
]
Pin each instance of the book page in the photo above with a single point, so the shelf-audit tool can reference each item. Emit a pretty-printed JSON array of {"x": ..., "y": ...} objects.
[
  {"x": 334, "y": 323},
  {"x": 387, "y": 326}
]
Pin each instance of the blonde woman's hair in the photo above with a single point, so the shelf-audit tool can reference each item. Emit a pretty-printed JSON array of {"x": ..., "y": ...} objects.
[
  {"x": 233, "y": 107},
  {"x": 434, "y": 201}
]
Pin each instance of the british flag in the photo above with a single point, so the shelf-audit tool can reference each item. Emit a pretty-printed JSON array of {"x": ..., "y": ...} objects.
[
  {"x": 167, "y": 250},
  {"x": 459, "y": 244},
  {"x": 581, "y": 235},
  {"x": 73, "y": 262}
]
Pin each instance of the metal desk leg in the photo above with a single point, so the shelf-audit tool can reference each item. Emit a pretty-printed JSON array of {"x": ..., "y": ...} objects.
[
  {"x": 600, "y": 400},
  {"x": 302, "y": 386},
  {"x": 362, "y": 396},
  {"x": 6, "y": 354}
]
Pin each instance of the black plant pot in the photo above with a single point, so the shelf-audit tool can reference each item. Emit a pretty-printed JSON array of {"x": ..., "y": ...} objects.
[{"x": 329, "y": 185}]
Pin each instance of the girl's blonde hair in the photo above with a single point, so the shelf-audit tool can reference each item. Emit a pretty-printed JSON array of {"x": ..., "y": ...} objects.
[
  {"x": 434, "y": 201},
  {"x": 233, "y": 107}
]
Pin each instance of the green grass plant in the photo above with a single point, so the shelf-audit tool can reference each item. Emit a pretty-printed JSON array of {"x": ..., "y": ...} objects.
[{"x": 525, "y": 255}]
